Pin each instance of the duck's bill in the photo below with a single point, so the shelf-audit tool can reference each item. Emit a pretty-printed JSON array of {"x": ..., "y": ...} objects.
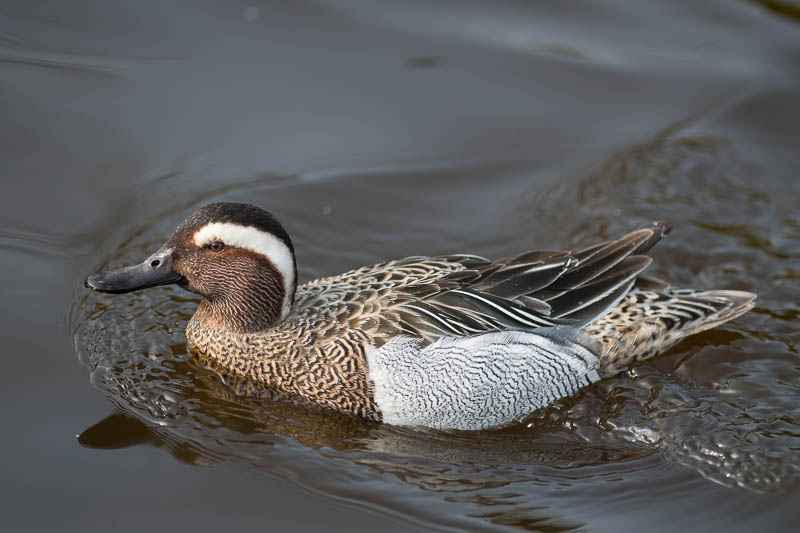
[{"x": 154, "y": 271}]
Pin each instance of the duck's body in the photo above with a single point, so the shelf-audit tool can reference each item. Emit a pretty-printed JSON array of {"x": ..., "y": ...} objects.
[{"x": 452, "y": 342}]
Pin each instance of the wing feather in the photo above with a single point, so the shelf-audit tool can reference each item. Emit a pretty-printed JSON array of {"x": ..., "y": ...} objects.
[
  {"x": 461, "y": 295},
  {"x": 540, "y": 288}
]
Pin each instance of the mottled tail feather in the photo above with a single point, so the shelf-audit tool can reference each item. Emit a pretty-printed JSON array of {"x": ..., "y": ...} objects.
[{"x": 647, "y": 323}]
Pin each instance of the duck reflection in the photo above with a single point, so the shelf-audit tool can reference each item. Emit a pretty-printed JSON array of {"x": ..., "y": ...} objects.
[{"x": 215, "y": 426}]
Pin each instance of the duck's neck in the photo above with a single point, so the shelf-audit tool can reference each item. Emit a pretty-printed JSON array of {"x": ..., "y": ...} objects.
[{"x": 247, "y": 307}]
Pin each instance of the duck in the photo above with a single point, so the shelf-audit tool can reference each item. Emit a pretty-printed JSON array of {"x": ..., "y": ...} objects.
[{"x": 449, "y": 342}]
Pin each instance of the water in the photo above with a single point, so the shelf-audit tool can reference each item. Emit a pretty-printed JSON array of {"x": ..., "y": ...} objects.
[{"x": 378, "y": 130}]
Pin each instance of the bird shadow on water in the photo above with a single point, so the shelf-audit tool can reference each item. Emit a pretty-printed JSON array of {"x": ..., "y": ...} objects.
[
  {"x": 478, "y": 471},
  {"x": 464, "y": 483}
]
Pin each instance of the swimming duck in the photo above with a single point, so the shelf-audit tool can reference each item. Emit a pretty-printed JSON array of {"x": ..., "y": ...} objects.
[{"x": 447, "y": 342}]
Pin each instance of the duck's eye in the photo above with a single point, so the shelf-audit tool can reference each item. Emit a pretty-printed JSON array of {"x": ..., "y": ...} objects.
[{"x": 216, "y": 246}]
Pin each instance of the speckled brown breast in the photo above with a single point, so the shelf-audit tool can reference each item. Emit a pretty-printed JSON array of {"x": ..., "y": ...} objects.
[{"x": 332, "y": 375}]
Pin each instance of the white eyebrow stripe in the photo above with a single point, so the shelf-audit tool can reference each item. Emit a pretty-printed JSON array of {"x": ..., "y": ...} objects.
[{"x": 255, "y": 240}]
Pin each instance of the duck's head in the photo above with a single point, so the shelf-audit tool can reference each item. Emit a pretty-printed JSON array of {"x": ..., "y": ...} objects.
[{"x": 237, "y": 257}]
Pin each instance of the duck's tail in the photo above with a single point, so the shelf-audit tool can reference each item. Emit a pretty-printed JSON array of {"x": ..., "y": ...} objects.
[{"x": 647, "y": 323}]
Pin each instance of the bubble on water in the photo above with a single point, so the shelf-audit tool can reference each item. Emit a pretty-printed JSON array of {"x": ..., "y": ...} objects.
[{"x": 251, "y": 14}]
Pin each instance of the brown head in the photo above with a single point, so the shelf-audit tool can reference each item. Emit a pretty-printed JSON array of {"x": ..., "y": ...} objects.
[{"x": 237, "y": 257}]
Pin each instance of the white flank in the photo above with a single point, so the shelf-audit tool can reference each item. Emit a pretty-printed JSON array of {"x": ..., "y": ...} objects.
[
  {"x": 477, "y": 382},
  {"x": 257, "y": 241}
]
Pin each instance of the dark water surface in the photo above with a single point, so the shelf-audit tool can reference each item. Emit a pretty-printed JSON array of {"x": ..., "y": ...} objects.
[{"x": 376, "y": 130}]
